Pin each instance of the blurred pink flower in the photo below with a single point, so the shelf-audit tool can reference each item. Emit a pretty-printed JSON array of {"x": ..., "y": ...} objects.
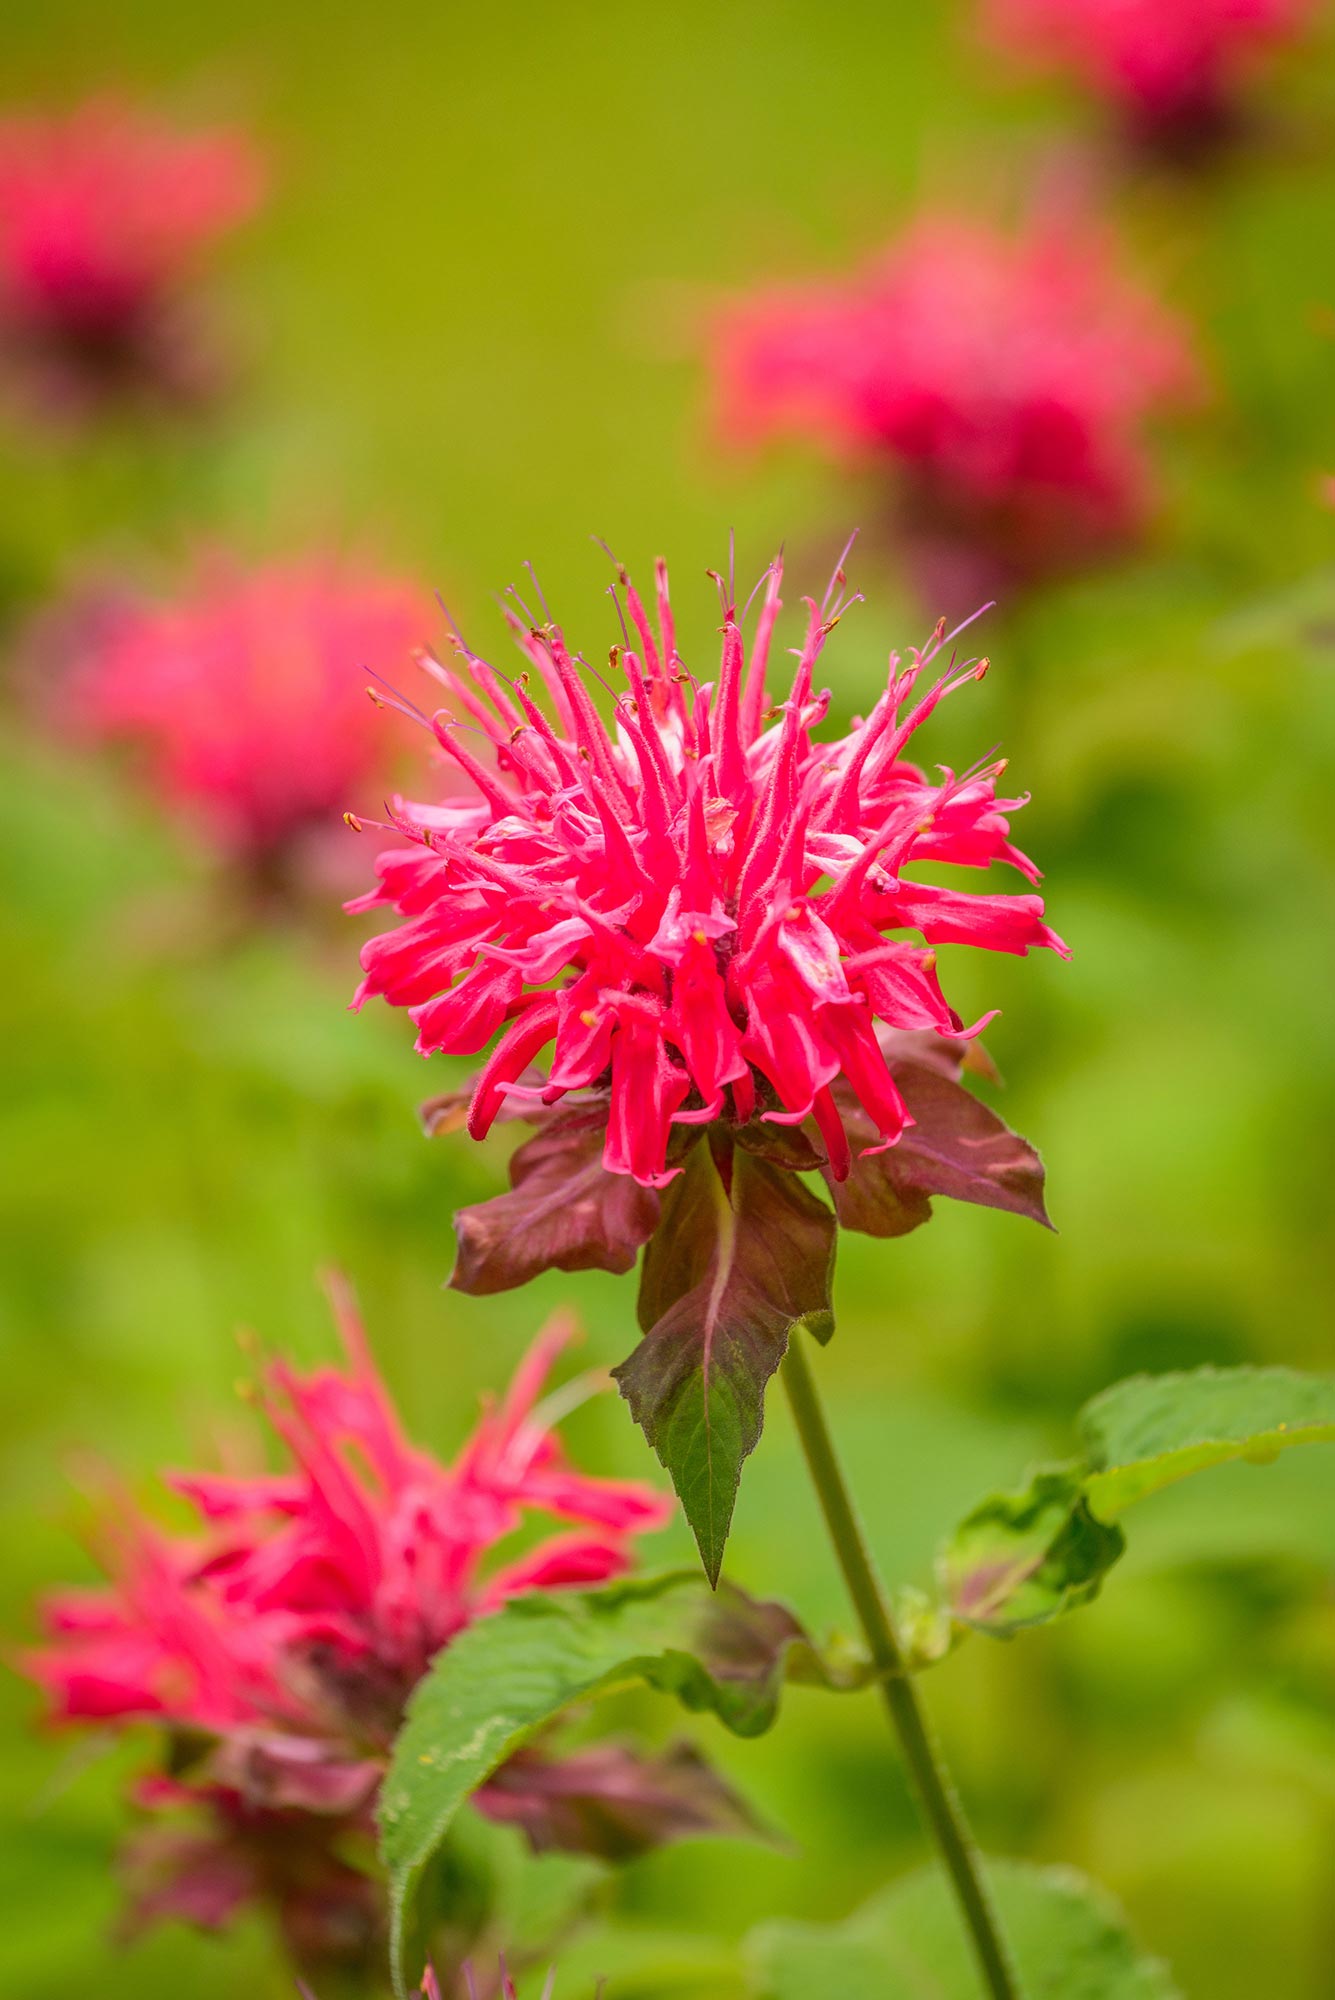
[
  {"x": 1174, "y": 70},
  {"x": 279, "y": 1643},
  {"x": 105, "y": 215},
  {"x": 1004, "y": 380},
  {"x": 244, "y": 697},
  {"x": 710, "y": 886},
  {"x": 297, "y": 1622}
]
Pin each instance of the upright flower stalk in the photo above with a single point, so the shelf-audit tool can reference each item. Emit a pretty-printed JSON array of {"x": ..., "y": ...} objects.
[
  {"x": 931, "y": 1781},
  {"x": 681, "y": 932}
]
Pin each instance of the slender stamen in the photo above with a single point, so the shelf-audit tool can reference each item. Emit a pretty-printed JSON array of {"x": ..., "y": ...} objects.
[
  {"x": 534, "y": 624},
  {"x": 547, "y": 609},
  {"x": 393, "y": 699},
  {"x": 839, "y": 576},
  {"x": 621, "y": 616}
]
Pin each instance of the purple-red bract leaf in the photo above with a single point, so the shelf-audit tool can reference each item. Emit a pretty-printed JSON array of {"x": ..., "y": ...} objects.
[
  {"x": 565, "y": 1212},
  {"x": 957, "y": 1146},
  {"x": 613, "y": 1801},
  {"x": 728, "y": 1274}
]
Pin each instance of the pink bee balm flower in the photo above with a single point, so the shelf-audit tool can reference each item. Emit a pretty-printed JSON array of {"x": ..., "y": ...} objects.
[
  {"x": 701, "y": 911},
  {"x": 279, "y": 1642},
  {"x": 311, "y": 1601},
  {"x": 105, "y": 215},
  {"x": 1174, "y": 70},
  {"x": 244, "y": 697},
  {"x": 1003, "y": 380}
]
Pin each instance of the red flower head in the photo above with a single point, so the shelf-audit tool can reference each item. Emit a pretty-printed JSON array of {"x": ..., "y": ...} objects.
[
  {"x": 1173, "y": 70},
  {"x": 245, "y": 696},
  {"x": 1004, "y": 380},
  {"x": 696, "y": 910},
  {"x": 313, "y": 1600},
  {"x": 104, "y": 216},
  {"x": 279, "y": 1643}
]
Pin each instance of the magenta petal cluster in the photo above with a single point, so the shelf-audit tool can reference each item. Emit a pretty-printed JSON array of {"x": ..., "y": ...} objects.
[
  {"x": 105, "y": 213},
  {"x": 1003, "y": 378},
  {"x": 1171, "y": 66},
  {"x": 294, "y": 1623},
  {"x": 242, "y": 698},
  {"x": 277, "y": 1644},
  {"x": 702, "y": 908}
]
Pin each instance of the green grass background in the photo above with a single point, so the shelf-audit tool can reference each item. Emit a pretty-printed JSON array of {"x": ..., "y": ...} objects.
[{"x": 467, "y": 320}]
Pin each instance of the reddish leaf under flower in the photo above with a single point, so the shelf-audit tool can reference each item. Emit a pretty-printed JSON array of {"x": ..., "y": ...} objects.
[
  {"x": 728, "y": 1274},
  {"x": 957, "y": 1146},
  {"x": 565, "y": 1212},
  {"x": 613, "y": 1802}
]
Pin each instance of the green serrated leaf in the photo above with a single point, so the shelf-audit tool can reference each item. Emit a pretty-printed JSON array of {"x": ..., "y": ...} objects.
[
  {"x": 1024, "y": 1558},
  {"x": 504, "y": 1678},
  {"x": 728, "y": 1274},
  {"x": 1147, "y": 1432},
  {"x": 1068, "y": 1939}
]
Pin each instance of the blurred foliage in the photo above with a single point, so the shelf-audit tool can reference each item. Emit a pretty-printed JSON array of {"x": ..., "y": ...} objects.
[
  {"x": 1068, "y": 1943},
  {"x": 1025, "y": 1557},
  {"x": 468, "y": 322}
]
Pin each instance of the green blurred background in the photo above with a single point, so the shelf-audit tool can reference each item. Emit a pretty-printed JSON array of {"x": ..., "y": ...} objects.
[{"x": 468, "y": 319}]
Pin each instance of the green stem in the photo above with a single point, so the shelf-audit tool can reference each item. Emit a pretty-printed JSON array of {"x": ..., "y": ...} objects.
[{"x": 935, "y": 1793}]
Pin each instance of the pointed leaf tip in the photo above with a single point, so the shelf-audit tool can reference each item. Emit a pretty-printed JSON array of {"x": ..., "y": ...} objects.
[
  {"x": 728, "y": 1275},
  {"x": 956, "y": 1146}
]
